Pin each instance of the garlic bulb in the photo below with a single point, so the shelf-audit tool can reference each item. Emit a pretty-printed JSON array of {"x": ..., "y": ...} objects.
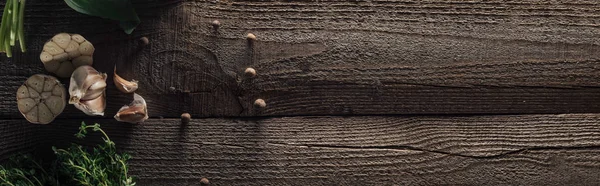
[
  {"x": 135, "y": 112},
  {"x": 87, "y": 90},
  {"x": 66, "y": 52},
  {"x": 124, "y": 85},
  {"x": 41, "y": 98}
]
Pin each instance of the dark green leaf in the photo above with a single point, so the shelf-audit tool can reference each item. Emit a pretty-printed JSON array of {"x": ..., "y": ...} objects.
[{"x": 120, "y": 10}]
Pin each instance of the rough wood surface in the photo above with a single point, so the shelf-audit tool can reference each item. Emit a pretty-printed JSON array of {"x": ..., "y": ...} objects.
[
  {"x": 17, "y": 136},
  {"x": 338, "y": 57},
  {"x": 370, "y": 150},
  {"x": 328, "y": 57}
]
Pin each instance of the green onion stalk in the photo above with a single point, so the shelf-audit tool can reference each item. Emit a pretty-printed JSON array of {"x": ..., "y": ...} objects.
[{"x": 11, "y": 28}]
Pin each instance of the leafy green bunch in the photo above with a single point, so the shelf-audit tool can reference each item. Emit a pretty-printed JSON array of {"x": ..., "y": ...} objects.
[
  {"x": 23, "y": 170},
  {"x": 102, "y": 166}
]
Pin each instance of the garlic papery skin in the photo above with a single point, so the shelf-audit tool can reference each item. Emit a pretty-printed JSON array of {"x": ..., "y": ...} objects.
[
  {"x": 124, "y": 85},
  {"x": 87, "y": 90},
  {"x": 135, "y": 112}
]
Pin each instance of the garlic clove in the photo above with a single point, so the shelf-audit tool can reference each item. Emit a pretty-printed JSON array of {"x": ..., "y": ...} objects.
[
  {"x": 46, "y": 57},
  {"x": 86, "y": 48},
  {"x": 33, "y": 93},
  {"x": 135, "y": 112},
  {"x": 22, "y": 92},
  {"x": 95, "y": 89},
  {"x": 44, "y": 114},
  {"x": 62, "y": 39},
  {"x": 55, "y": 104},
  {"x": 73, "y": 46},
  {"x": 86, "y": 84},
  {"x": 49, "y": 86},
  {"x": 94, "y": 107},
  {"x": 124, "y": 85},
  {"x": 32, "y": 115},
  {"x": 52, "y": 48},
  {"x": 87, "y": 90},
  {"x": 78, "y": 38},
  {"x": 36, "y": 83},
  {"x": 58, "y": 92},
  {"x": 26, "y": 104}
]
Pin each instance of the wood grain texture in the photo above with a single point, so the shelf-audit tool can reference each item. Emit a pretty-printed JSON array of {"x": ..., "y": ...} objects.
[
  {"x": 17, "y": 136},
  {"x": 370, "y": 150},
  {"x": 337, "y": 57}
]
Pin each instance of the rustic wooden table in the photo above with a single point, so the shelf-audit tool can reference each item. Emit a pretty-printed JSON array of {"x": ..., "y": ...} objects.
[{"x": 358, "y": 92}]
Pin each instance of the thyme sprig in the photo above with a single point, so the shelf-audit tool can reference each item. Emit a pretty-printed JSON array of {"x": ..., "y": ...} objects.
[{"x": 76, "y": 165}]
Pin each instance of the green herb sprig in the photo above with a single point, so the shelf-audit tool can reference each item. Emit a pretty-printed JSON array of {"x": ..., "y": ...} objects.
[
  {"x": 102, "y": 166},
  {"x": 11, "y": 28},
  {"x": 23, "y": 170}
]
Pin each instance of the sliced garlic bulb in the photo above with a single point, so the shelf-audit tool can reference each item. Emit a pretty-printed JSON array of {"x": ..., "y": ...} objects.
[
  {"x": 41, "y": 98},
  {"x": 135, "y": 112},
  {"x": 87, "y": 90},
  {"x": 66, "y": 52}
]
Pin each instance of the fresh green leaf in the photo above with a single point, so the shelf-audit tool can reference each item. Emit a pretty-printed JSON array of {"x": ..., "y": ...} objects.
[{"x": 119, "y": 10}]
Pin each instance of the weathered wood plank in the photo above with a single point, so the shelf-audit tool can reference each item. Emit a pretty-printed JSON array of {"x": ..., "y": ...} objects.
[
  {"x": 475, "y": 150},
  {"x": 17, "y": 137},
  {"x": 337, "y": 57}
]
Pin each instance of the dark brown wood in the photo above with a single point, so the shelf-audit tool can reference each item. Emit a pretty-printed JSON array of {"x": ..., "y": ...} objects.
[
  {"x": 17, "y": 136},
  {"x": 361, "y": 59},
  {"x": 475, "y": 150},
  {"x": 337, "y": 58}
]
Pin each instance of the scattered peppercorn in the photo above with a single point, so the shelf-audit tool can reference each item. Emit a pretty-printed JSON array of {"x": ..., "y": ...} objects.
[
  {"x": 260, "y": 103},
  {"x": 215, "y": 24},
  {"x": 204, "y": 181},
  {"x": 251, "y": 37},
  {"x": 144, "y": 41},
  {"x": 250, "y": 72},
  {"x": 186, "y": 117}
]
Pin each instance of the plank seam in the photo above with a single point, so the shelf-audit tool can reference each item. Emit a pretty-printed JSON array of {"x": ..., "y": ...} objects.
[{"x": 406, "y": 147}]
